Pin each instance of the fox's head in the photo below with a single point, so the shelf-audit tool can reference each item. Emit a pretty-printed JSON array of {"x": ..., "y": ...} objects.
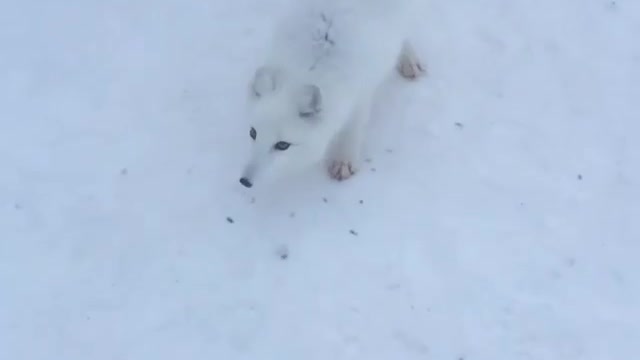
[{"x": 284, "y": 118}]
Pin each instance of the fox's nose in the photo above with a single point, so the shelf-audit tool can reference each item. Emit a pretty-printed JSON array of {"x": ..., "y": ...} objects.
[{"x": 246, "y": 182}]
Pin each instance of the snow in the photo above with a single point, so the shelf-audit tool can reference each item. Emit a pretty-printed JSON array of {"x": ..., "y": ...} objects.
[{"x": 496, "y": 219}]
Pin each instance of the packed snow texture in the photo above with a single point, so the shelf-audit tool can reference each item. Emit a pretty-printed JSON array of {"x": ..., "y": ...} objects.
[{"x": 497, "y": 216}]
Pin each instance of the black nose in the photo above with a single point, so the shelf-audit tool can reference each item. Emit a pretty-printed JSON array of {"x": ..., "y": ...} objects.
[{"x": 245, "y": 182}]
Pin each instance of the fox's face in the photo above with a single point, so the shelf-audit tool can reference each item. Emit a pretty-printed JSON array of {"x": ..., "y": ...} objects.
[{"x": 283, "y": 117}]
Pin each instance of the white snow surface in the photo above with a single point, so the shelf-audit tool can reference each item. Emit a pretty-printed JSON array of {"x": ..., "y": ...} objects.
[{"x": 497, "y": 217}]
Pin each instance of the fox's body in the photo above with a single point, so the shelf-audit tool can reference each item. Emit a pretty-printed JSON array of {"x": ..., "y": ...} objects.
[{"x": 312, "y": 96}]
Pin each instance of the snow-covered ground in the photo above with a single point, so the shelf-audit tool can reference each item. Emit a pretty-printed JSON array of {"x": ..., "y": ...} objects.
[{"x": 497, "y": 218}]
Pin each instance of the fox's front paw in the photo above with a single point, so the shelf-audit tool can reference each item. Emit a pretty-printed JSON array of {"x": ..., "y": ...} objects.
[
  {"x": 409, "y": 65},
  {"x": 411, "y": 68},
  {"x": 342, "y": 170}
]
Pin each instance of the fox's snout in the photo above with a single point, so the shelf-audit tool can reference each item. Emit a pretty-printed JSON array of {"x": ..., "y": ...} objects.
[
  {"x": 249, "y": 174},
  {"x": 246, "y": 182}
]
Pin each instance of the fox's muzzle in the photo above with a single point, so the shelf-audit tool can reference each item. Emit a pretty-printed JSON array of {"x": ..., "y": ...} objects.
[
  {"x": 246, "y": 182},
  {"x": 258, "y": 166},
  {"x": 249, "y": 174}
]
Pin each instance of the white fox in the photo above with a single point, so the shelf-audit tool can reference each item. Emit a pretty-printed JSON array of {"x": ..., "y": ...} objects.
[{"x": 312, "y": 96}]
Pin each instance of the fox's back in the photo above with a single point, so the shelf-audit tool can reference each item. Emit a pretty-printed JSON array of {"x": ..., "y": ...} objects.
[{"x": 340, "y": 40}]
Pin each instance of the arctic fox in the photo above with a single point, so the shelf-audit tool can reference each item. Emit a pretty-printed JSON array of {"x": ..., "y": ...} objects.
[{"x": 311, "y": 97}]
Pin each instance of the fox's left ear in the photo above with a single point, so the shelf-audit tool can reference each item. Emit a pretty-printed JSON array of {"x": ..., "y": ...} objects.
[
  {"x": 265, "y": 81},
  {"x": 309, "y": 102}
]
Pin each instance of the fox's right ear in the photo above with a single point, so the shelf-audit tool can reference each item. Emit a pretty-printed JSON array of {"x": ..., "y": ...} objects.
[{"x": 265, "y": 81}]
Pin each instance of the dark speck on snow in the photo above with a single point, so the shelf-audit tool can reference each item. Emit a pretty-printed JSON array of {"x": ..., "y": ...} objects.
[{"x": 283, "y": 252}]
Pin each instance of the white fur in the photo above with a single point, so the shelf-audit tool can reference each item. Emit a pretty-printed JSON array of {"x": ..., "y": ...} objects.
[{"x": 315, "y": 88}]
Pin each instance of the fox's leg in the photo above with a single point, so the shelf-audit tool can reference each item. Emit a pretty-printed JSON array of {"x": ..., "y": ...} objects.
[
  {"x": 409, "y": 65},
  {"x": 345, "y": 152}
]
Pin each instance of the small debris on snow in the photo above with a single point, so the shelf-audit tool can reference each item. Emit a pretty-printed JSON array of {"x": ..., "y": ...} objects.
[
  {"x": 579, "y": 176},
  {"x": 394, "y": 286},
  {"x": 292, "y": 214},
  {"x": 373, "y": 170},
  {"x": 361, "y": 202},
  {"x": 283, "y": 252},
  {"x": 325, "y": 200},
  {"x": 353, "y": 232},
  {"x": 367, "y": 160},
  {"x": 124, "y": 171},
  {"x": 459, "y": 125},
  {"x": 230, "y": 220},
  {"x": 17, "y": 206},
  {"x": 253, "y": 200},
  {"x": 389, "y": 151}
]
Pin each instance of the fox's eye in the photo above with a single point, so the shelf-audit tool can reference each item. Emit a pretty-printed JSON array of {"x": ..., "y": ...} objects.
[
  {"x": 281, "y": 145},
  {"x": 253, "y": 133}
]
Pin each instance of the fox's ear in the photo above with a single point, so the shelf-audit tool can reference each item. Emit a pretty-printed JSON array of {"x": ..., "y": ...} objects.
[
  {"x": 309, "y": 101},
  {"x": 265, "y": 81}
]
